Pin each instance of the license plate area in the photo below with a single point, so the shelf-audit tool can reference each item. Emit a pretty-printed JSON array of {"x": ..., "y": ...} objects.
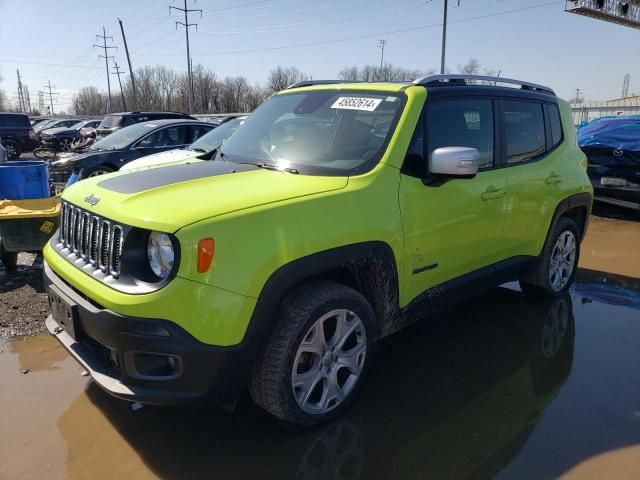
[
  {"x": 64, "y": 312},
  {"x": 613, "y": 182}
]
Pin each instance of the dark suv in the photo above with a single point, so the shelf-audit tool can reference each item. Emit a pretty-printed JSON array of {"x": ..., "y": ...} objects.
[
  {"x": 17, "y": 134},
  {"x": 115, "y": 121}
]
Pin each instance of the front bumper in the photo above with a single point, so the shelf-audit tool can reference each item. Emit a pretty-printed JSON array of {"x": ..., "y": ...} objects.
[{"x": 110, "y": 346}]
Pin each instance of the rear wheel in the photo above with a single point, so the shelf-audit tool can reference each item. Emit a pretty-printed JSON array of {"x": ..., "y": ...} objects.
[
  {"x": 13, "y": 148},
  {"x": 316, "y": 359},
  {"x": 557, "y": 266}
]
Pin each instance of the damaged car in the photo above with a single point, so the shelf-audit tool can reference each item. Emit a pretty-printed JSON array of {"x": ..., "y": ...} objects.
[{"x": 612, "y": 146}]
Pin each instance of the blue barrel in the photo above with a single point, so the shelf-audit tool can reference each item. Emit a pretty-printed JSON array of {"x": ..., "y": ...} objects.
[{"x": 24, "y": 180}]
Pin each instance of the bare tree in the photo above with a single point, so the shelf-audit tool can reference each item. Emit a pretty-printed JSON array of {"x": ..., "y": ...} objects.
[
  {"x": 374, "y": 73},
  {"x": 89, "y": 101},
  {"x": 281, "y": 77}
]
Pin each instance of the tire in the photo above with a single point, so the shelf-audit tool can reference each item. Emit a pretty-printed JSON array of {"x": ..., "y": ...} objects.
[
  {"x": 95, "y": 171},
  {"x": 9, "y": 259},
  {"x": 325, "y": 385},
  {"x": 14, "y": 150},
  {"x": 64, "y": 145},
  {"x": 545, "y": 279}
]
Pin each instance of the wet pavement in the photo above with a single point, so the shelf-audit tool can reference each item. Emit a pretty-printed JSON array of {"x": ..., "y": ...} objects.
[{"x": 502, "y": 386}]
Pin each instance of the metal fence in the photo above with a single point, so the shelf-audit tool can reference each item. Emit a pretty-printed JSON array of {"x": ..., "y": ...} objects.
[{"x": 590, "y": 111}]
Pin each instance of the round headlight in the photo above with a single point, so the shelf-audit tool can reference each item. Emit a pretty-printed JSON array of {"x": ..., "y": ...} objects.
[{"x": 160, "y": 254}]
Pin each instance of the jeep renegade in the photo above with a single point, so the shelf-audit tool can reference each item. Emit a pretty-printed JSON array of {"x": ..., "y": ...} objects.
[{"x": 335, "y": 215}]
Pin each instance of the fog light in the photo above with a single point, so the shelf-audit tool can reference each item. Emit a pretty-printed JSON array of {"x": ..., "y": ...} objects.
[{"x": 152, "y": 366}]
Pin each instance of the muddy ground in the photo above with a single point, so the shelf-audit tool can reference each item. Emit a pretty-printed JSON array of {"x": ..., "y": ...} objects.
[{"x": 503, "y": 386}]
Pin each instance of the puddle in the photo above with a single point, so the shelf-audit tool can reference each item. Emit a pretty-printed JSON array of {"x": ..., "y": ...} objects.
[{"x": 503, "y": 385}]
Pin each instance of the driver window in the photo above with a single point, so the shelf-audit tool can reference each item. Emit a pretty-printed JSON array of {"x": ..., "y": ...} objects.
[
  {"x": 462, "y": 123},
  {"x": 167, "y": 137}
]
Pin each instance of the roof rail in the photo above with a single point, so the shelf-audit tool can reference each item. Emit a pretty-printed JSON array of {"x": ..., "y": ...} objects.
[
  {"x": 308, "y": 83},
  {"x": 444, "y": 80}
]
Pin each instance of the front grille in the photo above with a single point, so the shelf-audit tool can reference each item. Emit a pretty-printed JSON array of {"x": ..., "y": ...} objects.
[{"x": 93, "y": 239}]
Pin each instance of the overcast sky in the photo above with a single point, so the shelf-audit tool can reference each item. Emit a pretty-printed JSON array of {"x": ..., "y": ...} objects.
[{"x": 532, "y": 40}]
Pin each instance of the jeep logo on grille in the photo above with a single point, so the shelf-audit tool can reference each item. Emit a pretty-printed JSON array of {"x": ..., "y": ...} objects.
[{"x": 91, "y": 200}]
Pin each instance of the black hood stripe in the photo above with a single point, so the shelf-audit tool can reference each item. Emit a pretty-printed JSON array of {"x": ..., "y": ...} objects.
[{"x": 136, "y": 182}]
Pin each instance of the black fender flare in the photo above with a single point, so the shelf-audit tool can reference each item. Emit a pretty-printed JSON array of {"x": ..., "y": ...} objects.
[{"x": 584, "y": 200}]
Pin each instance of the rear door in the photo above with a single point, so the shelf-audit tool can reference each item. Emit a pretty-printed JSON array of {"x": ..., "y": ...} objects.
[{"x": 535, "y": 171}]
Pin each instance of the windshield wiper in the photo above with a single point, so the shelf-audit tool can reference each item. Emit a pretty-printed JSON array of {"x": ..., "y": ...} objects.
[
  {"x": 198, "y": 150},
  {"x": 268, "y": 166}
]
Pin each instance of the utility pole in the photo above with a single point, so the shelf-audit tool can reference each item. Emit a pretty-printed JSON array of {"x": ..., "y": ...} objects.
[
  {"x": 20, "y": 94},
  {"x": 48, "y": 86},
  {"x": 118, "y": 72},
  {"x": 133, "y": 82},
  {"x": 578, "y": 96},
  {"x": 186, "y": 26},
  {"x": 106, "y": 57},
  {"x": 381, "y": 44},
  {"x": 625, "y": 85},
  {"x": 444, "y": 37}
]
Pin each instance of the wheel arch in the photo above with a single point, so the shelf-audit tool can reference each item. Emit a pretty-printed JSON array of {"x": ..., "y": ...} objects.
[
  {"x": 368, "y": 267},
  {"x": 576, "y": 207}
]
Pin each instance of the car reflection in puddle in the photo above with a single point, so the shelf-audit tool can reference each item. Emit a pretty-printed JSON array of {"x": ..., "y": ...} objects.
[{"x": 452, "y": 397}]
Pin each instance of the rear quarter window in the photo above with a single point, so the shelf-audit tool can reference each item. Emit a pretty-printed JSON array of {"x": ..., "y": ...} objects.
[{"x": 555, "y": 124}]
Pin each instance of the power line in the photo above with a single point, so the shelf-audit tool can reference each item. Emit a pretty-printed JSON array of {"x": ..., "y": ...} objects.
[
  {"x": 186, "y": 26},
  {"x": 106, "y": 62},
  {"x": 358, "y": 37}
]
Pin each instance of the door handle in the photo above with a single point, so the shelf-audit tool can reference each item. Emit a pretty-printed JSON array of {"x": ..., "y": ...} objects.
[
  {"x": 553, "y": 178},
  {"x": 492, "y": 194}
]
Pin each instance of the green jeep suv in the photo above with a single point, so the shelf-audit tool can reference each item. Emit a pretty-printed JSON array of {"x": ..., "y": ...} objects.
[{"x": 335, "y": 215}]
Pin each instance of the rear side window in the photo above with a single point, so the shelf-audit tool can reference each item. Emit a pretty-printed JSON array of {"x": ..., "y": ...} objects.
[
  {"x": 555, "y": 124},
  {"x": 462, "y": 123},
  {"x": 15, "y": 121},
  {"x": 524, "y": 126}
]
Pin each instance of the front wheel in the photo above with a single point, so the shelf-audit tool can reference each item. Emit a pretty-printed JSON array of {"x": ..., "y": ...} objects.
[
  {"x": 316, "y": 359},
  {"x": 558, "y": 263},
  {"x": 95, "y": 171}
]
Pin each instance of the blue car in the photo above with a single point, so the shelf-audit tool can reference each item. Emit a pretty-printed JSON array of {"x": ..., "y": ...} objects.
[{"x": 127, "y": 144}]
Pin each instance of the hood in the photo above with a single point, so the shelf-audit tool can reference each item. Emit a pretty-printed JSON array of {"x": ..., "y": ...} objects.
[
  {"x": 171, "y": 157},
  {"x": 173, "y": 197}
]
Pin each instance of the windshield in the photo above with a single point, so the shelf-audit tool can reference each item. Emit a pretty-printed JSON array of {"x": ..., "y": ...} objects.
[
  {"x": 321, "y": 132},
  {"x": 43, "y": 125},
  {"x": 123, "y": 137},
  {"x": 110, "y": 121},
  {"x": 216, "y": 137}
]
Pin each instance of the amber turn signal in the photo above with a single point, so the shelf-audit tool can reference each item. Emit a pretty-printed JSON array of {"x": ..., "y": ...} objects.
[{"x": 205, "y": 254}]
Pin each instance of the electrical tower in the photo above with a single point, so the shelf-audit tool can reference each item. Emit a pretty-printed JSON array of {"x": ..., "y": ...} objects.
[
  {"x": 381, "y": 44},
  {"x": 41, "y": 102},
  {"x": 20, "y": 94},
  {"x": 186, "y": 26},
  {"x": 106, "y": 57},
  {"x": 625, "y": 85},
  {"x": 119, "y": 72},
  {"x": 51, "y": 93}
]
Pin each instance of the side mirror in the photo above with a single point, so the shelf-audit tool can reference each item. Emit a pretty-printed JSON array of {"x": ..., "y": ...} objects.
[{"x": 460, "y": 162}]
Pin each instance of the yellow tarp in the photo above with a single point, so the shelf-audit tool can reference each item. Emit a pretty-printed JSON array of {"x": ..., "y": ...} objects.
[{"x": 39, "y": 208}]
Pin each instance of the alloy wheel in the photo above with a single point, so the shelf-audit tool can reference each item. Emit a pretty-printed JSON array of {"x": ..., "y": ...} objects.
[
  {"x": 65, "y": 144},
  {"x": 563, "y": 259},
  {"x": 329, "y": 361}
]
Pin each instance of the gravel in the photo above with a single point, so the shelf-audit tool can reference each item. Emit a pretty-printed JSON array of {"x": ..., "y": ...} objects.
[{"x": 23, "y": 302}]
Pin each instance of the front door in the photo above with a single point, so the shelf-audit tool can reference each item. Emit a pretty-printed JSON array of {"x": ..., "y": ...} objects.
[{"x": 454, "y": 227}]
